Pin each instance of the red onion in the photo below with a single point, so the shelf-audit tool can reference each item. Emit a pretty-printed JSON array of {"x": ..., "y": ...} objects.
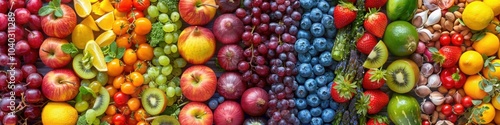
[
  {"x": 255, "y": 101},
  {"x": 230, "y": 85},
  {"x": 421, "y": 47},
  {"x": 428, "y": 55},
  {"x": 255, "y": 121},
  {"x": 229, "y": 113}
]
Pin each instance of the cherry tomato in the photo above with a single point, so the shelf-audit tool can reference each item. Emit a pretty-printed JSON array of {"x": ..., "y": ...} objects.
[
  {"x": 136, "y": 78},
  {"x": 111, "y": 110},
  {"x": 125, "y": 110},
  {"x": 107, "y": 118},
  {"x": 446, "y": 109},
  {"x": 124, "y": 41},
  {"x": 141, "y": 4},
  {"x": 124, "y": 5},
  {"x": 120, "y": 98},
  {"x": 426, "y": 122},
  {"x": 457, "y": 39},
  {"x": 129, "y": 57},
  {"x": 119, "y": 119},
  {"x": 127, "y": 88},
  {"x": 444, "y": 40},
  {"x": 458, "y": 109},
  {"x": 134, "y": 14},
  {"x": 452, "y": 118},
  {"x": 134, "y": 104},
  {"x": 467, "y": 101},
  {"x": 142, "y": 26},
  {"x": 140, "y": 114}
]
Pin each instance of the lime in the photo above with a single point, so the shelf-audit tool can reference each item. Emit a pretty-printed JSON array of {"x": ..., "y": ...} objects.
[{"x": 401, "y": 38}]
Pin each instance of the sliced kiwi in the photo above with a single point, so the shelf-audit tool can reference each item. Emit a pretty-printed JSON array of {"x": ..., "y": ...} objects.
[
  {"x": 80, "y": 70},
  {"x": 100, "y": 105},
  {"x": 377, "y": 57},
  {"x": 154, "y": 101},
  {"x": 165, "y": 120},
  {"x": 402, "y": 75}
]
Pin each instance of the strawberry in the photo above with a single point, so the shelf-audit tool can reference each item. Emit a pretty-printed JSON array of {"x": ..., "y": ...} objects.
[
  {"x": 374, "y": 79},
  {"x": 375, "y": 23},
  {"x": 372, "y": 101},
  {"x": 374, "y": 3},
  {"x": 366, "y": 43},
  {"x": 447, "y": 56},
  {"x": 344, "y": 14},
  {"x": 343, "y": 89},
  {"x": 377, "y": 120}
]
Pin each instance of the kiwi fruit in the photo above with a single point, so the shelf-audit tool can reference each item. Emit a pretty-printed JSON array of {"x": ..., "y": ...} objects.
[
  {"x": 165, "y": 120},
  {"x": 100, "y": 105},
  {"x": 402, "y": 75},
  {"x": 377, "y": 57},
  {"x": 80, "y": 70},
  {"x": 154, "y": 101}
]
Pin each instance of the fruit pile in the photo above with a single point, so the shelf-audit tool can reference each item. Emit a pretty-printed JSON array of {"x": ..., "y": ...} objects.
[{"x": 342, "y": 62}]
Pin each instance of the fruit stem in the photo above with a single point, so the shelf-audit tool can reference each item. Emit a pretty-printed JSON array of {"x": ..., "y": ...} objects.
[
  {"x": 195, "y": 78},
  {"x": 260, "y": 102}
]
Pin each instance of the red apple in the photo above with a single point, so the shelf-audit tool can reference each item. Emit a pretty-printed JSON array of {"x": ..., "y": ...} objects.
[
  {"x": 60, "y": 85},
  {"x": 198, "y": 83},
  {"x": 196, "y": 113},
  {"x": 51, "y": 53},
  {"x": 228, "y": 29},
  {"x": 196, "y": 44},
  {"x": 59, "y": 27},
  {"x": 197, "y": 12}
]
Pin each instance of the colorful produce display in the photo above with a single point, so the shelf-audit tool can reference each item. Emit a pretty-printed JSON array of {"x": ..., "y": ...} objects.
[{"x": 250, "y": 62}]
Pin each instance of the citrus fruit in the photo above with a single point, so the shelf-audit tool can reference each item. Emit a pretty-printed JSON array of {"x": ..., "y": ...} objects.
[
  {"x": 106, "y": 21},
  {"x": 81, "y": 35},
  {"x": 96, "y": 9},
  {"x": 488, "y": 115},
  {"x": 82, "y": 7},
  {"x": 496, "y": 102},
  {"x": 497, "y": 117},
  {"x": 105, "y": 38},
  {"x": 492, "y": 27},
  {"x": 487, "y": 73},
  {"x": 488, "y": 45},
  {"x": 474, "y": 10},
  {"x": 494, "y": 5},
  {"x": 119, "y": 15},
  {"x": 106, "y": 6},
  {"x": 90, "y": 22},
  {"x": 471, "y": 87},
  {"x": 471, "y": 62},
  {"x": 53, "y": 112},
  {"x": 401, "y": 38},
  {"x": 401, "y": 9},
  {"x": 98, "y": 57}
]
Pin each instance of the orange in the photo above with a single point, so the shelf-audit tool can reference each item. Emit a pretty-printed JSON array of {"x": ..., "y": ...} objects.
[
  {"x": 488, "y": 115},
  {"x": 53, "y": 112},
  {"x": 145, "y": 52},
  {"x": 488, "y": 45},
  {"x": 115, "y": 67},
  {"x": 121, "y": 26},
  {"x": 487, "y": 72},
  {"x": 472, "y": 89},
  {"x": 142, "y": 26},
  {"x": 496, "y": 102},
  {"x": 123, "y": 41}
]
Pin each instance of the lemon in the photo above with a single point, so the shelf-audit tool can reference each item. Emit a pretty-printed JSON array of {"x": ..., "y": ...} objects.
[
  {"x": 106, "y": 6},
  {"x": 488, "y": 115},
  {"x": 487, "y": 72},
  {"x": 106, "y": 21},
  {"x": 105, "y": 38},
  {"x": 90, "y": 22},
  {"x": 81, "y": 35},
  {"x": 488, "y": 45},
  {"x": 59, "y": 113},
  {"x": 477, "y": 15},
  {"x": 98, "y": 57},
  {"x": 471, "y": 87},
  {"x": 471, "y": 62},
  {"x": 82, "y": 7},
  {"x": 494, "y": 5},
  {"x": 96, "y": 9}
]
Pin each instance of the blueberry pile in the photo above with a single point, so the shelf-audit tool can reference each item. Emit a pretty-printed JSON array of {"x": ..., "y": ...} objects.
[{"x": 315, "y": 40}]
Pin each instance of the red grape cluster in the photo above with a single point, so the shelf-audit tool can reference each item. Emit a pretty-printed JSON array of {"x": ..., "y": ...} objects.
[{"x": 20, "y": 39}]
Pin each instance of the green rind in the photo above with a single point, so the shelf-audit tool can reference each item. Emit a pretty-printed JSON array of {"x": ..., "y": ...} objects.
[
  {"x": 401, "y": 9},
  {"x": 401, "y": 38},
  {"x": 160, "y": 120},
  {"x": 80, "y": 71},
  {"x": 104, "y": 98},
  {"x": 409, "y": 66},
  {"x": 404, "y": 110},
  {"x": 162, "y": 101},
  {"x": 382, "y": 59}
]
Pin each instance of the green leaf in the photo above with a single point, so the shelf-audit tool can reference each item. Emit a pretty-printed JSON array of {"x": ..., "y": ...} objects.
[
  {"x": 82, "y": 120},
  {"x": 487, "y": 99},
  {"x": 478, "y": 36},
  {"x": 498, "y": 99},
  {"x": 113, "y": 48},
  {"x": 45, "y": 10},
  {"x": 477, "y": 102},
  {"x": 461, "y": 22},
  {"x": 453, "y": 8},
  {"x": 57, "y": 3},
  {"x": 86, "y": 90},
  {"x": 58, "y": 12},
  {"x": 120, "y": 52},
  {"x": 69, "y": 48},
  {"x": 108, "y": 58},
  {"x": 497, "y": 28}
]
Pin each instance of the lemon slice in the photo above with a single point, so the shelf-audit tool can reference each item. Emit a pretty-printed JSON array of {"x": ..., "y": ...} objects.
[
  {"x": 81, "y": 35},
  {"x": 90, "y": 22},
  {"x": 105, "y": 22},
  {"x": 93, "y": 1},
  {"x": 96, "y": 9},
  {"x": 106, "y": 6},
  {"x": 98, "y": 57},
  {"x": 106, "y": 38},
  {"x": 82, "y": 7}
]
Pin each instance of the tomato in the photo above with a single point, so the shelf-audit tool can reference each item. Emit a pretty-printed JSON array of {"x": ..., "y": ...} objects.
[
  {"x": 142, "y": 26},
  {"x": 119, "y": 119},
  {"x": 445, "y": 4},
  {"x": 124, "y": 110},
  {"x": 136, "y": 78},
  {"x": 123, "y": 41},
  {"x": 131, "y": 121},
  {"x": 120, "y": 98},
  {"x": 129, "y": 57},
  {"x": 452, "y": 118},
  {"x": 127, "y": 88},
  {"x": 141, "y": 4},
  {"x": 111, "y": 90},
  {"x": 124, "y": 5},
  {"x": 141, "y": 66},
  {"x": 457, "y": 39},
  {"x": 118, "y": 81},
  {"x": 445, "y": 40},
  {"x": 145, "y": 52},
  {"x": 140, "y": 115},
  {"x": 467, "y": 101},
  {"x": 446, "y": 109},
  {"x": 120, "y": 26},
  {"x": 107, "y": 118},
  {"x": 452, "y": 78},
  {"x": 134, "y": 104},
  {"x": 115, "y": 67},
  {"x": 111, "y": 110},
  {"x": 458, "y": 109},
  {"x": 138, "y": 39},
  {"x": 128, "y": 68},
  {"x": 134, "y": 14},
  {"x": 426, "y": 122},
  {"x": 142, "y": 123}
]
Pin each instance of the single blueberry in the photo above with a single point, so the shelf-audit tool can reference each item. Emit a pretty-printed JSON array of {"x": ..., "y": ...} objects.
[
  {"x": 304, "y": 57},
  {"x": 304, "y": 116},
  {"x": 316, "y": 121},
  {"x": 327, "y": 21},
  {"x": 307, "y": 4},
  {"x": 313, "y": 51},
  {"x": 323, "y": 93},
  {"x": 313, "y": 100},
  {"x": 301, "y": 92},
  {"x": 323, "y": 6},
  {"x": 314, "y": 61},
  {"x": 311, "y": 85},
  {"x": 316, "y": 15},
  {"x": 316, "y": 111},
  {"x": 321, "y": 80},
  {"x": 300, "y": 103},
  {"x": 328, "y": 115},
  {"x": 305, "y": 70},
  {"x": 317, "y": 29},
  {"x": 305, "y": 24},
  {"x": 325, "y": 59},
  {"x": 318, "y": 69},
  {"x": 303, "y": 34}
]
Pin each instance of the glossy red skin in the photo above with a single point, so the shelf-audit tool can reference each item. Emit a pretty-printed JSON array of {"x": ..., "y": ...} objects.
[
  {"x": 60, "y": 85},
  {"x": 452, "y": 118},
  {"x": 467, "y": 101},
  {"x": 335, "y": 94},
  {"x": 124, "y": 5},
  {"x": 343, "y": 16},
  {"x": 193, "y": 14},
  {"x": 372, "y": 121},
  {"x": 378, "y": 100},
  {"x": 134, "y": 13},
  {"x": 368, "y": 84},
  {"x": 366, "y": 43},
  {"x": 425, "y": 122},
  {"x": 458, "y": 109},
  {"x": 376, "y": 24},
  {"x": 446, "y": 77},
  {"x": 119, "y": 119},
  {"x": 59, "y": 27},
  {"x": 457, "y": 39},
  {"x": 141, "y": 4},
  {"x": 445, "y": 40},
  {"x": 196, "y": 113},
  {"x": 120, "y": 98},
  {"x": 446, "y": 109},
  {"x": 52, "y": 55}
]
